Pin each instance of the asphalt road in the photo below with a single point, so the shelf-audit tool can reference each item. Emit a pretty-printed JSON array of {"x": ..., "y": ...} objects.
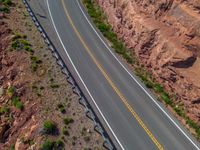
[{"x": 133, "y": 116}]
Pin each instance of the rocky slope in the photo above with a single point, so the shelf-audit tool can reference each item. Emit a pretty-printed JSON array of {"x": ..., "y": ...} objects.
[
  {"x": 33, "y": 91},
  {"x": 165, "y": 36}
]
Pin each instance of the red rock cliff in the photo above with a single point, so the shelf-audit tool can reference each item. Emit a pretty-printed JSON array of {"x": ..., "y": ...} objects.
[{"x": 165, "y": 36}]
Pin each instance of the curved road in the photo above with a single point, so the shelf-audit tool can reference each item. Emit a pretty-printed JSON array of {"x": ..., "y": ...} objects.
[{"x": 134, "y": 118}]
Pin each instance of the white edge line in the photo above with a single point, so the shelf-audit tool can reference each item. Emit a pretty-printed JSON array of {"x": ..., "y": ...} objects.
[
  {"x": 135, "y": 79},
  {"x": 81, "y": 78}
]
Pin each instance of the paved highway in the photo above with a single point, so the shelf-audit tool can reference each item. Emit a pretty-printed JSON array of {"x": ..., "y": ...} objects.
[{"x": 134, "y": 118}]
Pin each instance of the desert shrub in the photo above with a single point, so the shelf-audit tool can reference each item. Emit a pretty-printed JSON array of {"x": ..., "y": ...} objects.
[
  {"x": 28, "y": 49},
  {"x": 6, "y": 2},
  {"x": 86, "y": 138},
  {"x": 15, "y": 45},
  {"x": 67, "y": 121},
  {"x": 166, "y": 98},
  {"x": 17, "y": 103},
  {"x": 5, "y": 5},
  {"x": 54, "y": 86},
  {"x": 34, "y": 67},
  {"x": 158, "y": 88},
  {"x": 12, "y": 147},
  {"x": 47, "y": 145},
  {"x": 60, "y": 105},
  {"x": 24, "y": 42},
  {"x": 59, "y": 144},
  {"x": 61, "y": 108},
  {"x": 4, "y": 9},
  {"x": 179, "y": 110},
  {"x": 49, "y": 127},
  {"x": 103, "y": 27},
  {"x": 10, "y": 91},
  {"x": 4, "y": 110},
  {"x": 34, "y": 59},
  {"x": 65, "y": 131},
  {"x": 52, "y": 145}
]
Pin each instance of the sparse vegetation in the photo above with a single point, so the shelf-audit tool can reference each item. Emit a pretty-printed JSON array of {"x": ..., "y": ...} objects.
[
  {"x": 17, "y": 103},
  {"x": 87, "y": 138},
  {"x": 5, "y": 5},
  {"x": 100, "y": 21},
  {"x": 52, "y": 145},
  {"x": 12, "y": 147},
  {"x": 10, "y": 91},
  {"x": 35, "y": 63},
  {"x": 47, "y": 145},
  {"x": 20, "y": 42},
  {"x": 21, "y": 87},
  {"x": 65, "y": 131},
  {"x": 53, "y": 86},
  {"x": 4, "y": 110},
  {"x": 68, "y": 121},
  {"x": 61, "y": 108}
]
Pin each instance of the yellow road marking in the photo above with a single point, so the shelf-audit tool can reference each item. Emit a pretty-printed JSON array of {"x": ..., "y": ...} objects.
[{"x": 159, "y": 146}]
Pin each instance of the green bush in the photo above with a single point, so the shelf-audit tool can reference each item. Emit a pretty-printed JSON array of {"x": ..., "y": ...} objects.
[
  {"x": 10, "y": 91},
  {"x": 53, "y": 86},
  {"x": 61, "y": 108},
  {"x": 17, "y": 103},
  {"x": 49, "y": 127},
  {"x": 34, "y": 67},
  {"x": 86, "y": 138},
  {"x": 67, "y": 121},
  {"x": 28, "y": 49},
  {"x": 34, "y": 59},
  {"x": 4, "y": 9},
  {"x": 65, "y": 131},
  {"x": 166, "y": 98},
  {"x": 47, "y": 145},
  {"x": 149, "y": 84},
  {"x": 59, "y": 144},
  {"x": 19, "y": 42},
  {"x": 24, "y": 42},
  {"x": 12, "y": 147},
  {"x": 198, "y": 133},
  {"x": 179, "y": 110},
  {"x": 5, "y": 5},
  {"x": 60, "y": 105},
  {"x": 6, "y": 2},
  {"x": 15, "y": 45},
  {"x": 4, "y": 110},
  {"x": 158, "y": 88},
  {"x": 104, "y": 28},
  {"x": 17, "y": 36},
  {"x": 52, "y": 145}
]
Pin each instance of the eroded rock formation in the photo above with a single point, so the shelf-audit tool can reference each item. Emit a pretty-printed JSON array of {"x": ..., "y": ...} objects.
[{"x": 165, "y": 36}]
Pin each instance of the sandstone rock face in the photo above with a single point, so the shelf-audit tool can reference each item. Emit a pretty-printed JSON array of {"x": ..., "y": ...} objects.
[{"x": 165, "y": 36}]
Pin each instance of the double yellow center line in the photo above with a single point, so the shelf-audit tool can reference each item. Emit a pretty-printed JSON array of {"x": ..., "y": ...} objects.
[{"x": 123, "y": 99}]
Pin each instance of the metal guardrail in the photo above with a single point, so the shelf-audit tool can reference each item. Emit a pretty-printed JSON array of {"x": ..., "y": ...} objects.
[{"x": 108, "y": 144}]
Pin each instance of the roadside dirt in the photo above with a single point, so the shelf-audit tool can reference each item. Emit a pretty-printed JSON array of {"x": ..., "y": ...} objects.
[
  {"x": 165, "y": 36},
  {"x": 33, "y": 90}
]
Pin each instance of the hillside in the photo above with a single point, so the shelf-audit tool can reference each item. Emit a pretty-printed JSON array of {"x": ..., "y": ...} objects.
[{"x": 165, "y": 37}]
